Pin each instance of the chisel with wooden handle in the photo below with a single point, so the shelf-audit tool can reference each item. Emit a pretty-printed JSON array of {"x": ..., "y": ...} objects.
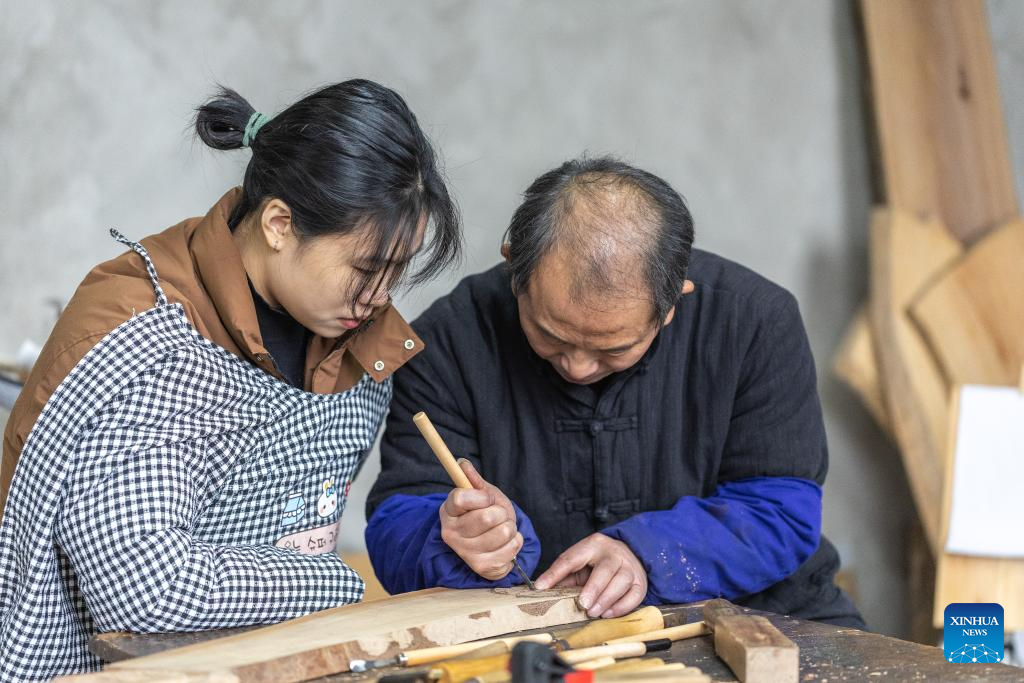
[
  {"x": 457, "y": 671},
  {"x": 428, "y": 655},
  {"x": 668, "y": 672},
  {"x": 600, "y": 631},
  {"x": 619, "y": 651},
  {"x": 458, "y": 477},
  {"x": 673, "y": 633}
]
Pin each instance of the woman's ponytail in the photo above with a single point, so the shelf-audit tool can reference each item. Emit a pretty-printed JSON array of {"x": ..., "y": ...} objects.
[{"x": 221, "y": 121}]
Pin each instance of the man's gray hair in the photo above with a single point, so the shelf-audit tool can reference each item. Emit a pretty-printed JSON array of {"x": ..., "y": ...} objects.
[{"x": 617, "y": 222}]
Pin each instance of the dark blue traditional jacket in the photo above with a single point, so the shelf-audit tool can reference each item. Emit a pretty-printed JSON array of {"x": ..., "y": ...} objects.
[{"x": 706, "y": 457}]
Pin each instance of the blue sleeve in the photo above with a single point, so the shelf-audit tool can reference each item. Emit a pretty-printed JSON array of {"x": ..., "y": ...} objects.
[
  {"x": 404, "y": 540},
  {"x": 749, "y": 535}
]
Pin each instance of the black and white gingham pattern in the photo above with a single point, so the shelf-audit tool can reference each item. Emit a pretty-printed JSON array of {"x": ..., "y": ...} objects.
[{"x": 150, "y": 492}]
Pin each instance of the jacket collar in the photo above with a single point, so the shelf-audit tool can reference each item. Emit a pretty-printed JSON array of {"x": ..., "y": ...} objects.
[{"x": 381, "y": 346}]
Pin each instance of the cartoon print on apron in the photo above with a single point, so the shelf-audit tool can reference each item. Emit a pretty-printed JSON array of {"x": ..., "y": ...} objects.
[{"x": 169, "y": 483}]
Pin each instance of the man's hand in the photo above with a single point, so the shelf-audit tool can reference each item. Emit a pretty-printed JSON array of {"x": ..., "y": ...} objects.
[
  {"x": 479, "y": 524},
  {"x": 614, "y": 582}
]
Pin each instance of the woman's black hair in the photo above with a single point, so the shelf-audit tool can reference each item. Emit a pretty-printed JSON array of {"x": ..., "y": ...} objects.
[{"x": 345, "y": 157}]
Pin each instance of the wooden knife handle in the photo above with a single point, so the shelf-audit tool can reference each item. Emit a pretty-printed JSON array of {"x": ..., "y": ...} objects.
[
  {"x": 616, "y": 651},
  {"x": 602, "y": 630},
  {"x": 440, "y": 449},
  {"x": 460, "y": 670},
  {"x": 673, "y": 633},
  {"x": 436, "y": 654}
]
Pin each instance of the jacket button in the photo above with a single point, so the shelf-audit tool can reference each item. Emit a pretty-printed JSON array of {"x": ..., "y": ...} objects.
[
  {"x": 602, "y": 513},
  {"x": 595, "y": 428},
  {"x": 379, "y": 366},
  {"x": 409, "y": 343}
]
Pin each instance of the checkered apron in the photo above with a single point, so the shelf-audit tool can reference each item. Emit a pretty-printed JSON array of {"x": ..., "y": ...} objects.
[{"x": 170, "y": 485}]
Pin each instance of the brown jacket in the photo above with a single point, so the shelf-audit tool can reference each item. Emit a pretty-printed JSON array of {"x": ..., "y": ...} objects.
[{"x": 200, "y": 268}]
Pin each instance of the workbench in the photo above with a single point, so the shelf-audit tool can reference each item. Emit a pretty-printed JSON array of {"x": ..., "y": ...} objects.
[{"x": 827, "y": 653}]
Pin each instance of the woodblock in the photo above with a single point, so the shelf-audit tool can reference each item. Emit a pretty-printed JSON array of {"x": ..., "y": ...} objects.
[
  {"x": 324, "y": 642},
  {"x": 856, "y": 364},
  {"x": 973, "y": 316},
  {"x": 938, "y": 113},
  {"x": 754, "y": 649},
  {"x": 908, "y": 253}
]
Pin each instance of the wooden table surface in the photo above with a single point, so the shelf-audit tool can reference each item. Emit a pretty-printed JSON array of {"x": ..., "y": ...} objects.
[{"x": 827, "y": 653}]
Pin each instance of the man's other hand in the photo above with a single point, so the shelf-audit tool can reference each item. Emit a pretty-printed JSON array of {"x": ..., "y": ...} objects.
[
  {"x": 614, "y": 582},
  {"x": 479, "y": 524}
]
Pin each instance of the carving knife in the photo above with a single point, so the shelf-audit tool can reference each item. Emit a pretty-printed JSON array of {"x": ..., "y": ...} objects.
[{"x": 458, "y": 477}]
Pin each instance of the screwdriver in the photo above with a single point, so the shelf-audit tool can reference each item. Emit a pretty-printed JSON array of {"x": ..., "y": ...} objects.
[{"x": 458, "y": 477}]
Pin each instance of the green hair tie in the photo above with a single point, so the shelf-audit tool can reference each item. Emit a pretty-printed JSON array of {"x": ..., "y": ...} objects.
[{"x": 256, "y": 121}]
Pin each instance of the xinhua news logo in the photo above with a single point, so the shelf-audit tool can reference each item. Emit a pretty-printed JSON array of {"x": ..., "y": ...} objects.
[{"x": 973, "y": 632}]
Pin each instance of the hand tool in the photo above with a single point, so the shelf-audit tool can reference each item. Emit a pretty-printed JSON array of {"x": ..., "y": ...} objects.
[
  {"x": 668, "y": 672},
  {"x": 599, "y": 631},
  {"x": 458, "y": 671},
  {"x": 458, "y": 477},
  {"x": 619, "y": 651},
  {"x": 595, "y": 664},
  {"x": 428, "y": 655},
  {"x": 636, "y": 664},
  {"x": 673, "y": 633},
  {"x": 646, "y": 620}
]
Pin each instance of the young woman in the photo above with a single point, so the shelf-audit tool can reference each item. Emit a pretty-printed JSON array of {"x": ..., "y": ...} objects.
[{"x": 185, "y": 442}]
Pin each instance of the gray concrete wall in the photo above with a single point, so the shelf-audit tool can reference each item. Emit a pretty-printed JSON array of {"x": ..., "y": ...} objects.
[{"x": 751, "y": 109}]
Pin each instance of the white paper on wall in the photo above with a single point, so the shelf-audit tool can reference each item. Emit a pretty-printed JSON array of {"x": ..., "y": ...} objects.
[{"x": 987, "y": 503}]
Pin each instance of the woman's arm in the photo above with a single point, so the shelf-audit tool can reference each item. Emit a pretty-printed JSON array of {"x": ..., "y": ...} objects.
[{"x": 129, "y": 542}]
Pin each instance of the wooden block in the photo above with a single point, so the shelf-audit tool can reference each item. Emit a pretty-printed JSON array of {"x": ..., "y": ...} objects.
[
  {"x": 856, "y": 364},
  {"x": 324, "y": 642},
  {"x": 754, "y": 649},
  {"x": 908, "y": 252},
  {"x": 938, "y": 112},
  {"x": 973, "y": 317},
  {"x": 962, "y": 578},
  {"x": 718, "y": 608}
]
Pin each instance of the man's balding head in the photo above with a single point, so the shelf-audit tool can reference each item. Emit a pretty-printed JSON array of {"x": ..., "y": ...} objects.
[
  {"x": 597, "y": 253},
  {"x": 622, "y": 232}
]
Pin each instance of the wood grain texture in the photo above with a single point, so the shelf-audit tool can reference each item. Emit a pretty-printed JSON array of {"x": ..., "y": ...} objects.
[
  {"x": 755, "y": 650},
  {"x": 908, "y": 253},
  {"x": 826, "y": 651},
  {"x": 938, "y": 112},
  {"x": 973, "y": 317},
  {"x": 148, "y": 676},
  {"x": 856, "y": 364},
  {"x": 942, "y": 146},
  {"x": 963, "y": 578},
  {"x": 324, "y": 642}
]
